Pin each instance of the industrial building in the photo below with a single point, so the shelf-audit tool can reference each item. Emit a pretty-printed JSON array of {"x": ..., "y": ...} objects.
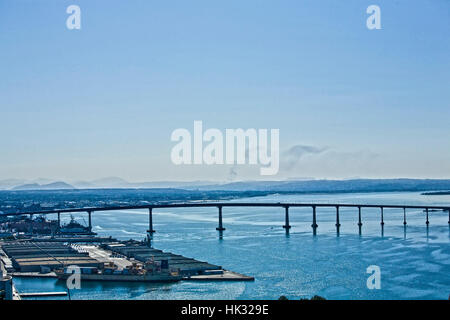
[
  {"x": 143, "y": 253},
  {"x": 27, "y": 256}
]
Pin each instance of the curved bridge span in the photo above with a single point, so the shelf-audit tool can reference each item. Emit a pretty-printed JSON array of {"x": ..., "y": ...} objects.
[{"x": 220, "y": 205}]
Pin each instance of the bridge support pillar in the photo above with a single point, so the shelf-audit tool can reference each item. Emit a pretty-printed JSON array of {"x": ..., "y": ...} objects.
[
  {"x": 359, "y": 217},
  {"x": 149, "y": 240},
  {"x": 220, "y": 227},
  {"x": 314, "y": 224},
  {"x": 31, "y": 225},
  {"x": 404, "y": 216},
  {"x": 90, "y": 220},
  {"x": 286, "y": 219},
  {"x": 427, "y": 222},
  {"x": 382, "y": 216},
  {"x": 59, "y": 222},
  {"x": 337, "y": 217},
  {"x": 150, "y": 222}
]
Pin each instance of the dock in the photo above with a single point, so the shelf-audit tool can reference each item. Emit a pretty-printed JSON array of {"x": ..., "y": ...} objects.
[
  {"x": 43, "y": 257},
  {"x": 226, "y": 275},
  {"x": 33, "y": 275},
  {"x": 141, "y": 252},
  {"x": 30, "y": 259},
  {"x": 42, "y": 294}
]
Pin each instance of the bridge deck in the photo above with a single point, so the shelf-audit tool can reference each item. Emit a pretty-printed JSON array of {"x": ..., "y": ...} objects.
[
  {"x": 221, "y": 205},
  {"x": 230, "y": 204}
]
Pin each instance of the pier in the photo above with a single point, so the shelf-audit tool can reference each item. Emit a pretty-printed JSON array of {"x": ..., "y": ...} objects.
[
  {"x": 42, "y": 294},
  {"x": 118, "y": 259}
]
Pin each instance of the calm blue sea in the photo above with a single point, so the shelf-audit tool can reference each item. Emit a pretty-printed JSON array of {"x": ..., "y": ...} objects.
[{"x": 414, "y": 261}]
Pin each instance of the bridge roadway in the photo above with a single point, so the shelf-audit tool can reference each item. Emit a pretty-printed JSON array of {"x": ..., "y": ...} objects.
[{"x": 220, "y": 205}]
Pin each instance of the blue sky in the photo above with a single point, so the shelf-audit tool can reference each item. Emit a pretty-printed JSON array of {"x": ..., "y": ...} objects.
[{"x": 104, "y": 100}]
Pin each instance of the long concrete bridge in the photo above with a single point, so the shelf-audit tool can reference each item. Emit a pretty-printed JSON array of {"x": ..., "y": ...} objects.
[{"x": 220, "y": 205}]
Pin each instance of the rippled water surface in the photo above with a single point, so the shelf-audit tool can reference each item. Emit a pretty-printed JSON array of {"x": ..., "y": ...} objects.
[{"x": 414, "y": 261}]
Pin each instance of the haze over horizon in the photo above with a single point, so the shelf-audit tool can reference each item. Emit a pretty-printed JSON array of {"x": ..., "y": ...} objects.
[
  {"x": 80, "y": 105},
  {"x": 293, "y": 185}
]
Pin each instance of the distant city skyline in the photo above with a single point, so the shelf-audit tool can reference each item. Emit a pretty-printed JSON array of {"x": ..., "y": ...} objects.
[{"x": 102, "y": 101}]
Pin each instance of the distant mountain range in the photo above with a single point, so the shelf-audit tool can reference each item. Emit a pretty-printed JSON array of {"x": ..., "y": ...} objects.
[
  {"x": 327, "y": 186},
  {"x": 115, "y": 182},
  {"x": 290, "y": 186},
  {"x": 50, "y": 186},
  {"x": 104, "y": 183}
]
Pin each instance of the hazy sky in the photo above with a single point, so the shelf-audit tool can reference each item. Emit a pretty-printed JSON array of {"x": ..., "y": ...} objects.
[{"x": 104, "y": 100}]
